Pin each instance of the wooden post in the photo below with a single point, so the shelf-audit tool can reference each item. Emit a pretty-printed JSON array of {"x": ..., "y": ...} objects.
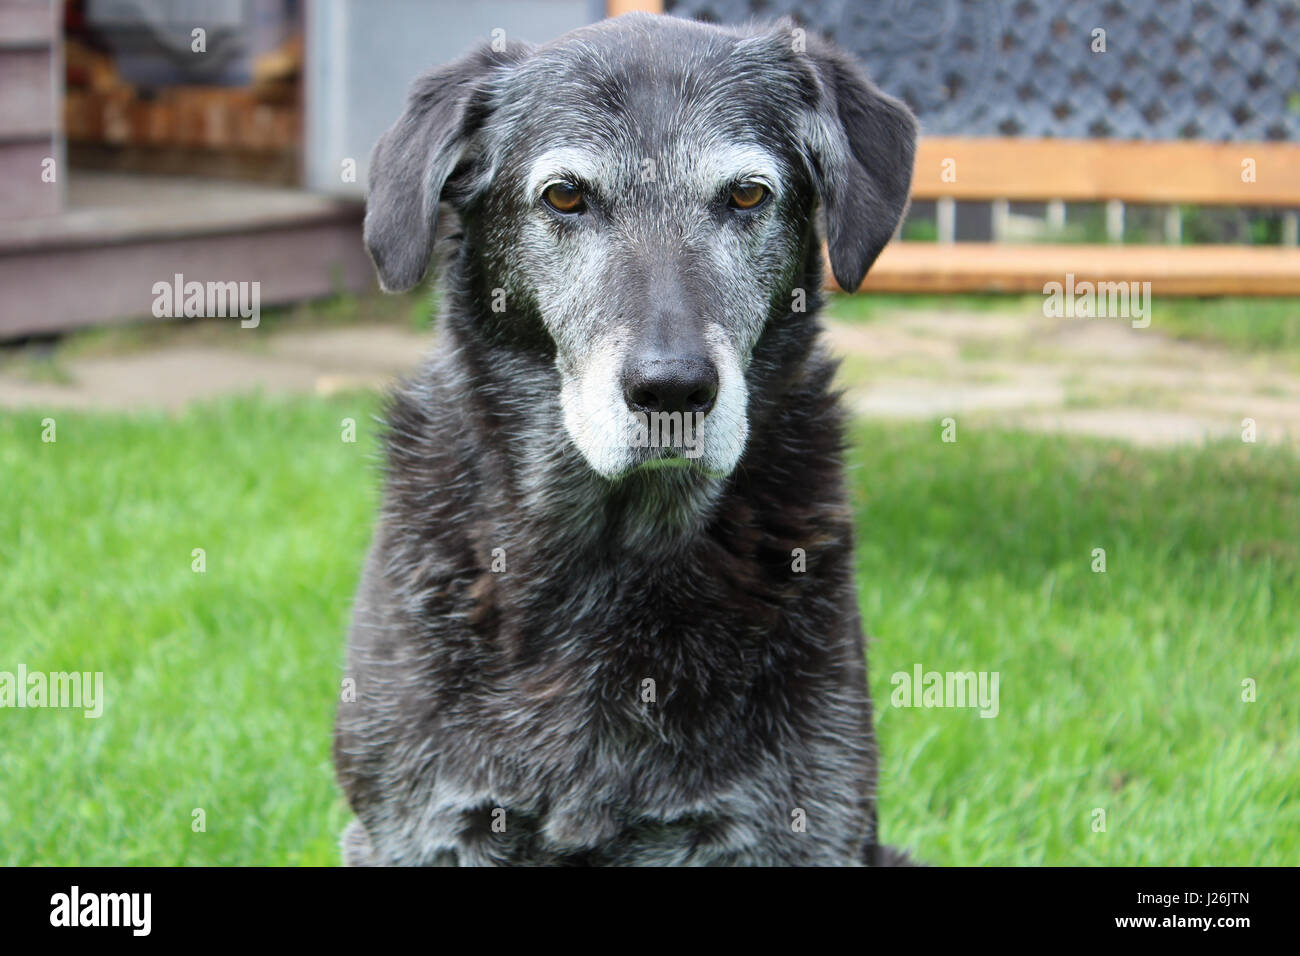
[
  {"x": 1001, "y": 219},
  {"x": 1173, "y": 225},
  {"x": 33, "y": 167},
  {"x": 1056, "y": 214},
  {"x": 614, "y": 8},
  {"x": 1115, "y": 220},
  {"x": 945, "y": 219}
]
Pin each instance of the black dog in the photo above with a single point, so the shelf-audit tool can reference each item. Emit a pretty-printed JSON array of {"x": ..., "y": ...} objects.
[{"x": 578, "y": 641}]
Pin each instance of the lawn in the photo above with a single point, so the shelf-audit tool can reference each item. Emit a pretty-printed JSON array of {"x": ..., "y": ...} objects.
[
  {"x": 1241, "y": 323},
  {"x": 1119, "y": 691}
]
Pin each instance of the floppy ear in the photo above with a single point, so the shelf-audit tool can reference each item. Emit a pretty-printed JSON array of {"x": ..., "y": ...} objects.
[
  {"x": 412, "y": 162},
  {"x": 865, "y": 155}
]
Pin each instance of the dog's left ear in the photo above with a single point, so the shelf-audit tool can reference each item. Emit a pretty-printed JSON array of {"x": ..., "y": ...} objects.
[{"x": 865, "y": 143}]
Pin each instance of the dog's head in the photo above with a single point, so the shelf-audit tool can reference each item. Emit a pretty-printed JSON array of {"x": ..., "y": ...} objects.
[{"x": 644, "y": 190}]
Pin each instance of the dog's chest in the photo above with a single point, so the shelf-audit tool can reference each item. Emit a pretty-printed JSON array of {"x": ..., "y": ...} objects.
[
  {"x": 627, "y": 725},
  {"x": 693, "y": 709},
  {"x": 638, "y": 803}
]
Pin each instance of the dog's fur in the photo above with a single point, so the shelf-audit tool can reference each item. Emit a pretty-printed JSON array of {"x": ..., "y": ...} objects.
[{"x": 532, "y": 569}]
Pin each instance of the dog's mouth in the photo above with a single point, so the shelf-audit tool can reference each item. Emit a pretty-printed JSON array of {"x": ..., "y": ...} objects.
[
  {"x": 666, "y": 459},
  {"x": 673, "y": 460}
]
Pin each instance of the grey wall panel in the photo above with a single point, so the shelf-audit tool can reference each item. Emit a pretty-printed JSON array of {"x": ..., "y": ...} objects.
[{"x": 362, "y": 57}]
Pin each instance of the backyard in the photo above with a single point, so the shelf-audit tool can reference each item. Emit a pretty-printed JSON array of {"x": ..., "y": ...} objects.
[{"x": 1122, "y": 691}]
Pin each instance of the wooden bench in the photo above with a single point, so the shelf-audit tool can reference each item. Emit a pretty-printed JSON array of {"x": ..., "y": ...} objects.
[{"x": 1114, "y": 172}]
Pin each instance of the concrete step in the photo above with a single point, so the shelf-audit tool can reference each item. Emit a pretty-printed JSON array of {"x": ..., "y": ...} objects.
[{"x": 99, "y": 260}]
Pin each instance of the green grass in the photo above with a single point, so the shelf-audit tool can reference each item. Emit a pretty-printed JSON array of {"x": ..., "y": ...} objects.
[
  {"x": 1243, "y": 323},
  {"x": 413, "y": 309},
  {"x": 1119, "y": 691},
  {"x": 220, "y": 686},
  {"x": 866, "y": 306}
]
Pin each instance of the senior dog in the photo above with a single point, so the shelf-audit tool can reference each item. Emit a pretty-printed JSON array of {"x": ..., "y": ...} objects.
[{"x": 608, "y": 616}]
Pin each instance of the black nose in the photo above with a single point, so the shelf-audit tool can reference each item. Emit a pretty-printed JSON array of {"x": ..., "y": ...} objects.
[{"x": 671, "y": 385}]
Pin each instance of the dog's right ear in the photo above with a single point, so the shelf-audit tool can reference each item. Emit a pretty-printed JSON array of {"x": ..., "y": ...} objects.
[{"x": 413, "y": 161}]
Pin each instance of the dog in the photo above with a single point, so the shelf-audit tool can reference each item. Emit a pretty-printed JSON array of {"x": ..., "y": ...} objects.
[{"x": 574, "y": 644}]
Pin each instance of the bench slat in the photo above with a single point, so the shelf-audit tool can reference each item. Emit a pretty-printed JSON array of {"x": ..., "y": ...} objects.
[
  {"x": 1003, "y": 267},
  {"x": 1096, "y": 170}
]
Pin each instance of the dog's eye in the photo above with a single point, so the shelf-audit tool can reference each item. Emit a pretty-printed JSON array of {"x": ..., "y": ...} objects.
[
  {"x": 748, "y": 195},
  {"x": 564, "y": 197}
]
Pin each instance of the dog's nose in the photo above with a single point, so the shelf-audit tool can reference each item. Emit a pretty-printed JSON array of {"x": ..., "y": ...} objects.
[{"x": 671, "y": 385}]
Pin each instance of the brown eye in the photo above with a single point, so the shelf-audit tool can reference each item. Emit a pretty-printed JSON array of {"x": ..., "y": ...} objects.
[
  {"x": 563, "y": 197},
  {"x": 748, "y": 195}
]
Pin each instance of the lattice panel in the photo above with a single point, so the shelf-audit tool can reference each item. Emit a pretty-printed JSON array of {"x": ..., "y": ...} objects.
[{"x": 1172, "y": 69}]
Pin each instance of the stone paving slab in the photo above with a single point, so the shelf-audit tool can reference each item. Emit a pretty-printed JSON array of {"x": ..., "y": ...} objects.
[{"x": 1095, "y": 377}]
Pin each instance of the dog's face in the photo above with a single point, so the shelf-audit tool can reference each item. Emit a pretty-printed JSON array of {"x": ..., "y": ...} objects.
[{"x": 644, "y": 189}]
